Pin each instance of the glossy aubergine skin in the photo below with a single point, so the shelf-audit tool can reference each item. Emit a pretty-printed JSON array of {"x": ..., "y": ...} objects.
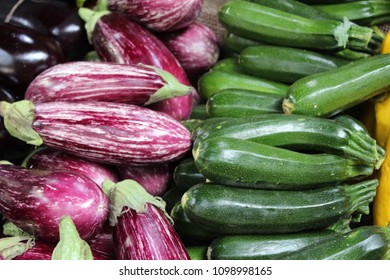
[
  {"x": 23, "y": 55},
  {"x": 35, "y": 200},
  {"x": 58, "y": 19},
  {"x": 134, "y": 44},
  {"x": 151, "y": 234}
]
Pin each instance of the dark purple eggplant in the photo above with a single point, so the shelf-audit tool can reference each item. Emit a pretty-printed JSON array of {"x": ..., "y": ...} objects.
[
  {"x": 106, "y": 132},
  {"x": 24, "y": 54},
  {"x": 154, "y": 178},
  {"x": 195, "y": 47},
  {"x": 58, "y": 19},
  {"x": 104, "y": 81},
  {"x": 142, "y": 228},
  {"x": 159, "y": 15},
  {"x": 35, "y": 200},
  {"x": 50, "y": 159},
  {"x": 117, "y": 38}
]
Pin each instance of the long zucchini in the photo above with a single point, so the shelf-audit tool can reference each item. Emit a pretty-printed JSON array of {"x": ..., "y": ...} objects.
[
  {"x": 285, "y": 64},
  {"x": 230, "y": 210},
  {"x": 245, "y": 163},
  {"x": 273, "y": 26},
  {"x": 239, "y": 103},
  {"x": 328, "y": 93},
  {"x": 342, "y": 136}
]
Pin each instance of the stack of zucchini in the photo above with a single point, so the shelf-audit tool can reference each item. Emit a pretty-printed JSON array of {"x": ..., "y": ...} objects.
[{"x": 279, "y": 168}]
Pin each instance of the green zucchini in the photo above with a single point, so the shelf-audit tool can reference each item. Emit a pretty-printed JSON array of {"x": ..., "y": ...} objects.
[
  {"x": 238, "y": 43},
  {"x": 227, "y": 65},
  {"x": 273, "y": 26},
  {"x": 240, "y": 103},
  {"x": 190, "y": 124},
  {"x": 199, "y": 112},
  {"x": 285, "y": 64},
  {"x": 328, "y": 93},
  {"x": 351, "y": 123},
  {"x": 171, "y": 197},
  {"x": 264, "y": 246},
  {"x": 245, "y": 163},
  {"x": 230, "y": 210},
  {"x": 197, "y": 252},
  {"x": 362, "y": 243},
  {"x": 185, "y": 175},
  {"x": 340, "y": 137},
  {"x": 214, "y": 81}
]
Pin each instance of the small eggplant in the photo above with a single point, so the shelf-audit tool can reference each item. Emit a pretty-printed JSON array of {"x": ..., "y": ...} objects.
[
  {"x": 35, "y": 200},
  {"x": 195, "y": 47},
  {"x": 159, "y": 15},
  {"x": 57, "y": 19},
  {"x": 104, "y": 81},
  {"x": 24, "y": 54},
  {"x": 116, "y": 38},
  {"x": 106, "y": 132},
  {"x": 50, "y": 159},
  {"x": 154, "y": 178},
  {"x": 142, "y": 228}
]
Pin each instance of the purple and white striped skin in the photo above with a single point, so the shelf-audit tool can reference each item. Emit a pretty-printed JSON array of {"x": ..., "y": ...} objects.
[
  {"x": 195, "y": 47},
  {"x": 133, "y": 44},
  {"x": 35, "y": 200},
  {"x": 40, "y": 251},
  {"x": 102, "y": 244},
  {"x": 159, "y": 15},
  {"x": 154, "y": 178},
  {"x": 50, "y": 159},
  {"x": 104, "y": 81}
]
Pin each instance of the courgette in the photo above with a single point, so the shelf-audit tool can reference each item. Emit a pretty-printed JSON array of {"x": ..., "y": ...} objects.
[
  {"x": 227, "y": 65},
  {"x": 328, "y": 93},
  {"x": 185, "y": 175},
  {"x": 214, "y": 81},
  {"x": 199, "y": 112},
  {"x": 285, "y": 64},
  {"x": 342, "y": 136},
  {"x": 191, "y": 124},
  {"x": 361, "y": 243},
  {"x": 238, "y": 43},
  {"x": 239, "y": 103},
  {"x": 231, "y": 210},
  {"x": 264, "y": 246},
  {"x": 273, "y": 26},
  {"x": 245, "y": 163}
]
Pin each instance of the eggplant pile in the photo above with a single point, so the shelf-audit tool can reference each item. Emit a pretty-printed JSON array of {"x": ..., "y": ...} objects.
[{"x": 88, "y": 146}]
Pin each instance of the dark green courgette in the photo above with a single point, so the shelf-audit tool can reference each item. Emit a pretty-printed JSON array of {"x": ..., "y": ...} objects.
[
  {"x": 231, "y": 210},
  {"x": 228, "y": 65},
  {"x": 342, "y": 136},
  {"x": 273, "y": 26},
  {"x": 197, "y": 252},
  {"x": 285, "y": 64},
  {"x": 239, "y": 103},
  {"x": 191, "y": 124},
  {"x": 264, "y": 247},
  {"x": 328, "y": 93},
  {"x": 362, "y": 243},
  {"x": 199, "y": 112},
  {"x": 214, "y": 81},
  {"x": 186, "y": 175},
  {"x": 245, "y": 163},
  {"x": 238, "y": 43}
]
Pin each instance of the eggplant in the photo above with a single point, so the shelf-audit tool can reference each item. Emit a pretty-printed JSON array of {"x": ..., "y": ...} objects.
[
  {"x": 35, "y": 200},
  {"x": 106, "y": 132},
  {"x": 104, "y": 81},
  {"x": 154, "y": 178},
  {"x": 11, "y": 247},
  {"x": 195, "y": 47},
  {"x": 142, "y": 228},
  {"x": 159, "y": 15},
  {"x": 102, "y": 244},
  {"x": 57, "y": 19},
  {"x": 50, "y": 159},
  {"x": 24, "y": 54},
  {"x": 117, "y": 38}
]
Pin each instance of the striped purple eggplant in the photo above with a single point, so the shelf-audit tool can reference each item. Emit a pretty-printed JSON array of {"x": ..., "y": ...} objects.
[
  {"x": 159, "y": 15},
  {"x": 195, "y": 47},
  {"x": 102, "y": 244},
  {"x": 154, "y": 178},
  {"x": 35, "y": 200},
  {"x": 142, "y": 228},
  {"x": 104, "y": 81},
  {"x": 117, "y": 38},
  {"x": 51, "y": 159},
  {"x": 106, "y": 132}
]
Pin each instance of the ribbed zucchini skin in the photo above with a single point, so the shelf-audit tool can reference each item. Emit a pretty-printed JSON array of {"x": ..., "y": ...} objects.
[
  {"x": 232, "y": 210},
  {"x": 285, "y": 64},
  {"x": 328, "y": 93},
  {"x": 264, "y": 246},
  {"x": 362, "y": 243},
  {"x": 239, "y": 103}
]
